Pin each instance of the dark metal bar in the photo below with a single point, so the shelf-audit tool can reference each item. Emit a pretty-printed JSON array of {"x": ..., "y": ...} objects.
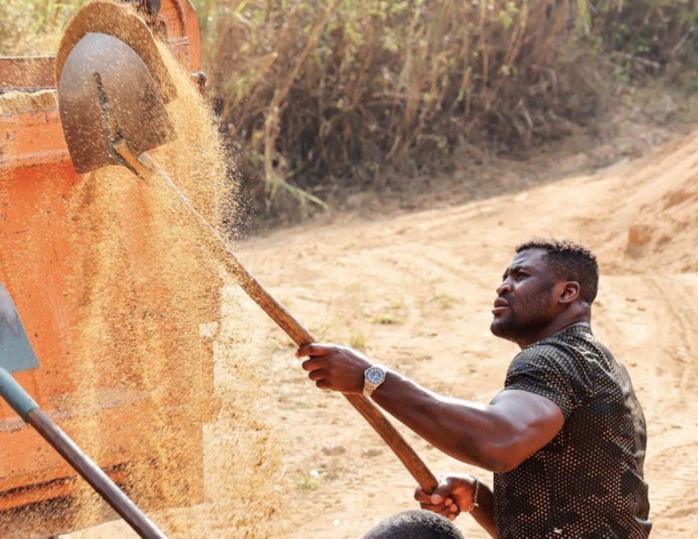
[{"x": 94, "y": 475}]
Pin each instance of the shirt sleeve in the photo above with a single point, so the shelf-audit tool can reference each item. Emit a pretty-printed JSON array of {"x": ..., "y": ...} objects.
[{"x": 551, "y": 372}]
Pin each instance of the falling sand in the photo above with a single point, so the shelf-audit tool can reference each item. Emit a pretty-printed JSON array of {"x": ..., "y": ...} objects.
[
  {"x": 149, "y": 293},
  {"x": 162, "y": 380}
]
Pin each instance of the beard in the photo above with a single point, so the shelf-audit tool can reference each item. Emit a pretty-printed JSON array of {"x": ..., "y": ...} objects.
[
  {"x": 524, "y": 320},
  {"x": 513, "y": 327}
]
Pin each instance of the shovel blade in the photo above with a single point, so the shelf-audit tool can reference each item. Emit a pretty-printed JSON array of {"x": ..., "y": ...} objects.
[
  {"x": 16, "y": 353},
  {"x": 106, "y": 94}
]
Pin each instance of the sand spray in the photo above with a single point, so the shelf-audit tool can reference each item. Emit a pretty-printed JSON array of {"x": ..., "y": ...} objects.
[{"x": 153, "y": 337}]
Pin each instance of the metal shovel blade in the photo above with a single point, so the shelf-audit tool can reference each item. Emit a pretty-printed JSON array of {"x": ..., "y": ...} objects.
[
  {"x": 16, "y": 353},
  {"x": 106, "y": 94},
  {"x": 123, "y": 23}
]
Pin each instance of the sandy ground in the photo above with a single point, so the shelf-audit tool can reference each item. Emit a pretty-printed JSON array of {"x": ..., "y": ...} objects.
[{"x": 414, "y": 290}]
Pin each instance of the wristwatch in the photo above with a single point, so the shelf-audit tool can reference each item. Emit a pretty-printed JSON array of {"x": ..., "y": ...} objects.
[{"x": 373, "y": 377}]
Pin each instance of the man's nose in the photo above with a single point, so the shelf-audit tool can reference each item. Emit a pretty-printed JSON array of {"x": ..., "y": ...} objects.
[{"x": 505, "y": 286}]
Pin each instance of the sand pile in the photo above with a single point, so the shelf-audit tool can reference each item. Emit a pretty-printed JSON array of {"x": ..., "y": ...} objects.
[{"x": 652, "y": 219}]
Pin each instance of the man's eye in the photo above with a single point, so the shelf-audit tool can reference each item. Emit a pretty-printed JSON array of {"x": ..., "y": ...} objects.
[{"x": 520, "y": 276}]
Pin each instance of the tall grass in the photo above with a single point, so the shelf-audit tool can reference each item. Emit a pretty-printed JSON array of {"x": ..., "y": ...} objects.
[
  {"x": 33, "y": 27},
  {"x": 341, "y": 95},
  {"x": 345, "y": 91},
  {"x": 652, "y": 37}
]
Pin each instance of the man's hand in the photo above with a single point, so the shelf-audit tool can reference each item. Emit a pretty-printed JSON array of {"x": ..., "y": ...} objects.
[
  {"x": 334, "y": 367},
  {"x": 455, "y": 493}
]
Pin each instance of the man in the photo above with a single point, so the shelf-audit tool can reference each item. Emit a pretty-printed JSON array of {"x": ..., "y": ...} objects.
[{"x": 566, "y": 436}]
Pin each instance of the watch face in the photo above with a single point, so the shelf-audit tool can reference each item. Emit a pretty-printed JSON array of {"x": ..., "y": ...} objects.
[{"x": 375, "y": 375}]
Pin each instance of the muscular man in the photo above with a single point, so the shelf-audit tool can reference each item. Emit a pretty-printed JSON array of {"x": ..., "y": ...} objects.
[{"x": 565, "y": 438}]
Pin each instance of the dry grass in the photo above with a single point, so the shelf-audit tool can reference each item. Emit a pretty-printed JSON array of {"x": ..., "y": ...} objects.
[
  {"x": 33, "y": 27},
  {"x": 342, "y": 97},
  {"x": 379, "y": 86}
]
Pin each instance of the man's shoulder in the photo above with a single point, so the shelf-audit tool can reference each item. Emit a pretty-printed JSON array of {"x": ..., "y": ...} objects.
[
  {"x": 572, "y": 335},
  {"x": 573, "y": 342},
  {"x": 566, "y": 362}
]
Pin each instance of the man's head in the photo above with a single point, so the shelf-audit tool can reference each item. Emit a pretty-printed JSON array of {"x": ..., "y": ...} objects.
[
  {"x": 549, "y": 285},
  {"x": 569, "y": 261},
  {"x": 414, "y": 524}
]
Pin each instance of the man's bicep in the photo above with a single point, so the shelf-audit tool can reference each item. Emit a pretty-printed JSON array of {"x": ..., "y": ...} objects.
[{"x": 534, "y": 419}]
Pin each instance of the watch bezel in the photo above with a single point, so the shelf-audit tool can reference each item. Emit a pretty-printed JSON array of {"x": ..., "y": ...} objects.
[
  {"x": 375, "y": 375},
  {"x": 369, "y": 384}
]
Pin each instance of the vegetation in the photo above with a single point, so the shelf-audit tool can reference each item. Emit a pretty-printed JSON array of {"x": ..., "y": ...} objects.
[
  {"x": 344, "y": 96},
  {"x": 651, "y": 37},
  {"x": 33, "y": 27},
  {"x": 327, "y": 98},
  {"x": 359, "y": 89}
]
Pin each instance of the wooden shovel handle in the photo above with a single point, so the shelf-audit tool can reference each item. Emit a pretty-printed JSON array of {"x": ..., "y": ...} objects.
[
  {"x": 94, "y": 475},
  {"x": 287, "y": 322},
  {"x": 365, "y": 407}
]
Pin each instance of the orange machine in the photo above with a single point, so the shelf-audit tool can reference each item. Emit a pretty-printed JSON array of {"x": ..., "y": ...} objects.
[{"x": 37, "y": 179}]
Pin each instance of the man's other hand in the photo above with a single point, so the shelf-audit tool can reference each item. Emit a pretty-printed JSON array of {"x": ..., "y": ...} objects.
[{"x": 454, "y": 494}]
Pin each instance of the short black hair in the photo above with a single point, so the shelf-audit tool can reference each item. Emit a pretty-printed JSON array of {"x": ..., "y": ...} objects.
[
  {"x": 569, "y": 261},
  {"x": 414, "y": 524}
]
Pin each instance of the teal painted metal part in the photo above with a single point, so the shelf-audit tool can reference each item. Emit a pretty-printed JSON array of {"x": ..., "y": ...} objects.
[
  {"x": 15, "y": 395},
  {"x": 16, "y": 353}
]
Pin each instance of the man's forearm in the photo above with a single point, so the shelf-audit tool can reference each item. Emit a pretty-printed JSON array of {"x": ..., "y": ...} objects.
[
  {"x": 483, "y": 512},
  {"x": 459, "y": 428},
  {"x": 497, "y": 436}
]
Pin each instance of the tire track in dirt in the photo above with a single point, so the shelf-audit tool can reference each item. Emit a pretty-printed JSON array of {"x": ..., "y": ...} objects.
[{"x": 674, "y": 491}]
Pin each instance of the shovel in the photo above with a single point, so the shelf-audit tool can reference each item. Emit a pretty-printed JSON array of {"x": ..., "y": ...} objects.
[
  {"x": 16, "y": 354},
  {"x": 109, "y": 122}
]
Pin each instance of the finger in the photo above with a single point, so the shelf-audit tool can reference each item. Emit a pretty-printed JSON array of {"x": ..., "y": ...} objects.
[
  {"x": 323, "y": 384},
  {"x": 436, "y": 499},
  {"x": 438, "y": 496},
  {"x": 313, "y": 364},
  {"x": 442, "y": 493},
  {"x": 317, "y": 375},
  {"x": 453, "y": 509},
  {"x": 422, "y": 496},
  {"x": 313, "y": 349},
  {"x": 438, "y": 509}
]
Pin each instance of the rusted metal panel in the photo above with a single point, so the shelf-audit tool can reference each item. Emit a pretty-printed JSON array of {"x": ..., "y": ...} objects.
[{"x": 28, "y": 74}]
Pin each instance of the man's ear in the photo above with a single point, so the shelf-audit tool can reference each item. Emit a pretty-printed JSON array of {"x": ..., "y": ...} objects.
[{"x": 570, "y": 292}]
